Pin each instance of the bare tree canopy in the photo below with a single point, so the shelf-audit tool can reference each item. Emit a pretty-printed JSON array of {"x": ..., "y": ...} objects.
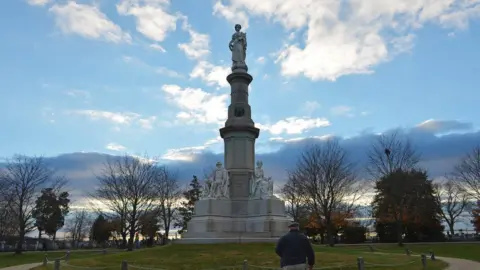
[
  {"x": 453, "y": 201},
  {"x": 169, "y": 193},
  {"x": 7, "y": 219},
  {"x": 294, "y": 201},
  {"x": 22, "y": 180},
  {"x": 78, "y": 226},
  {"x": 390, "y": 152},
  {"x": 467, "y": 173},
  {"x": 127, "y": 189},
  {"x": 327, "y": 181}
]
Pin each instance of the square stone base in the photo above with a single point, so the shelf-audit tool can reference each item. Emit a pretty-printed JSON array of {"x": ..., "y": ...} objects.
[{"x": 228, "y": 221}]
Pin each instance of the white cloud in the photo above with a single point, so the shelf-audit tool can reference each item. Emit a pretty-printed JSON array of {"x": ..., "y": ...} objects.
[
  {"x": 294, "y": 125},
  {"x": 232, "y": 14},
  {"x": 118, "y": 118},
  {"x": 298, "y": 139},
  {"x": 160, "y": 70},
  {"x": 197, "y": 106},
  {"x": 87, "y": 21},
  {"x": 211, "y": 74},
  {"x": 168, "y": 72},
  {"x": 147, "y": 123},
  {"x": 199, "y": 44},
  {"x": 38, "y": 2},
  {"x": 342, "y": 111},
  {"x": 152, "y": 17},
  {"x": 188, "y": 153},
  {"x": 115, "y": 147},
  {"x": 157, "y": 47},
  {"x": 78, "y": 93},
  {"x": 348, "y": 37},
  {"x": 198, "y": 49},
  {"x": 440, "y": 126},
  {"x": 260, "y": 60}
]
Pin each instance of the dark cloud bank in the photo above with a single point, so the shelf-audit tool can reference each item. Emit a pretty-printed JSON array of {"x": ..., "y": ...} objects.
[{"x": 439, "y": 155}]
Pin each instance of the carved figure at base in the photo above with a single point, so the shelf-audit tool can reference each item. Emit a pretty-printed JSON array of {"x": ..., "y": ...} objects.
[
  {"x": 261, "y": 186},
  {"x": 238, "y": 47},
  {"x": 218, "y": 185}
]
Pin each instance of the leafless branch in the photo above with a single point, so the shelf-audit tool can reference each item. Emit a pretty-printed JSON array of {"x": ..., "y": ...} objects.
[
  {"x": 389, "y": 153},
  {"x": 467, "y": 173},
  {"x": 168, "y": 195},
  {"x": 78, "y": 225},
  {"x": 453, "y": 201},
  {"x": 295, "y": 201}
]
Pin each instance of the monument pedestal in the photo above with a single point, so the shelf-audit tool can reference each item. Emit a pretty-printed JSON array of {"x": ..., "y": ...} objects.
[{"x": 256, "y": 220}]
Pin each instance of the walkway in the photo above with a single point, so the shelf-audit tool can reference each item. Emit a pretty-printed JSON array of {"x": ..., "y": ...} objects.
[
  {"x": 22, "y": 267},
  {"x": 458, "y": 264}
]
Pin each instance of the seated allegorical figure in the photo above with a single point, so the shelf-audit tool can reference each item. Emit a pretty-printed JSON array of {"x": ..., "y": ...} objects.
[{"x": 261, "y": 186}]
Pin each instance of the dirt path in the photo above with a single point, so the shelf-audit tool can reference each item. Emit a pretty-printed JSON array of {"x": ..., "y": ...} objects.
[{"x": 22, "y": 267}]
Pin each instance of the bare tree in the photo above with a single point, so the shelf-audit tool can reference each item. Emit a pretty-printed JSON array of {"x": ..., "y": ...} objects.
[
  {"x": 389, "y": 153},
  {"x": 127, "y": 189},
  {"x": 295, "y": 203},
  {"x": 168, "y": 195},
  {"x": 453, "y": 201},
  {"x": 7, "y": 219},
  {"x": 328, "y": 181},
  {"x": 78, "y": 226},
  {"x": 23, "y": 178},
  {"x": 467, "y": 173}
]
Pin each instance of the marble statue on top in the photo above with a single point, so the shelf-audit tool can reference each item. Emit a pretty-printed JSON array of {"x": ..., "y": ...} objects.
[
  {"x": 217, "y": 186},
  {"x": 261, "y": 187},
  {"x": 238, "y": 47}
]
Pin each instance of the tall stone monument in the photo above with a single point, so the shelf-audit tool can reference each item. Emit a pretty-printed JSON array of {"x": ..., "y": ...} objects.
[{"x": 237, "y": 202}]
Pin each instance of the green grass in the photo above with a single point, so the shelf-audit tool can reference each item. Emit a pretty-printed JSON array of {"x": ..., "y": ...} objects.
[
  {"x": 10, "y": 259},
  {"x": 192, "y": 257},
  {"x": 456, "y": 250}
]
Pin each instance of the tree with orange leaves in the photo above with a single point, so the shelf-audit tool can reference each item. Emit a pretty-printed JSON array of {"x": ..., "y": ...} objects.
[
  {"x": 317, "y": 225},
  {"x": 476, "y": 217}
]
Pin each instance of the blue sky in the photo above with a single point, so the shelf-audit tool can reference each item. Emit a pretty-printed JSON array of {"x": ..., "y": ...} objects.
[{"x": 149, "y": 76}]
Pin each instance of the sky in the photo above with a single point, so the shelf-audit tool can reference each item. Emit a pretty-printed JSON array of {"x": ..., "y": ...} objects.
[{"x": 81, "y": 80}]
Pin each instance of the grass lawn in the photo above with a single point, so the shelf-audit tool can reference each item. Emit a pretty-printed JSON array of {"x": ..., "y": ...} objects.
[
  {"x": 10, "y": 259},
  {"x": 470, "y": 251},
  {"x": 223, "y": 255}
]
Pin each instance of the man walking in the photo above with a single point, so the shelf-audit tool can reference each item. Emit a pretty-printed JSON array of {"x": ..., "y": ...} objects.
[{"x": 294, "y": 249}]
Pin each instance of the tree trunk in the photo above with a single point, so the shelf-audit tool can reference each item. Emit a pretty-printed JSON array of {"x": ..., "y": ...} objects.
[
  {"x": 21, "y": 239},
  {"x": 131, "y": 238},
  {"x": 165, "y": 236},
  {"x": 39, "y": 239},
  {"x": 451, "y": 227},
  {"x": 124, "y": 240},
  {"x": 329, "y": 232},
  {"x": 399, "y": 233}
]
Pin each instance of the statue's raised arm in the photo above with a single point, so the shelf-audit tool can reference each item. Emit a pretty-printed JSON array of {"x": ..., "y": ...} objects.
[{"x": 238, "y": 47}]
